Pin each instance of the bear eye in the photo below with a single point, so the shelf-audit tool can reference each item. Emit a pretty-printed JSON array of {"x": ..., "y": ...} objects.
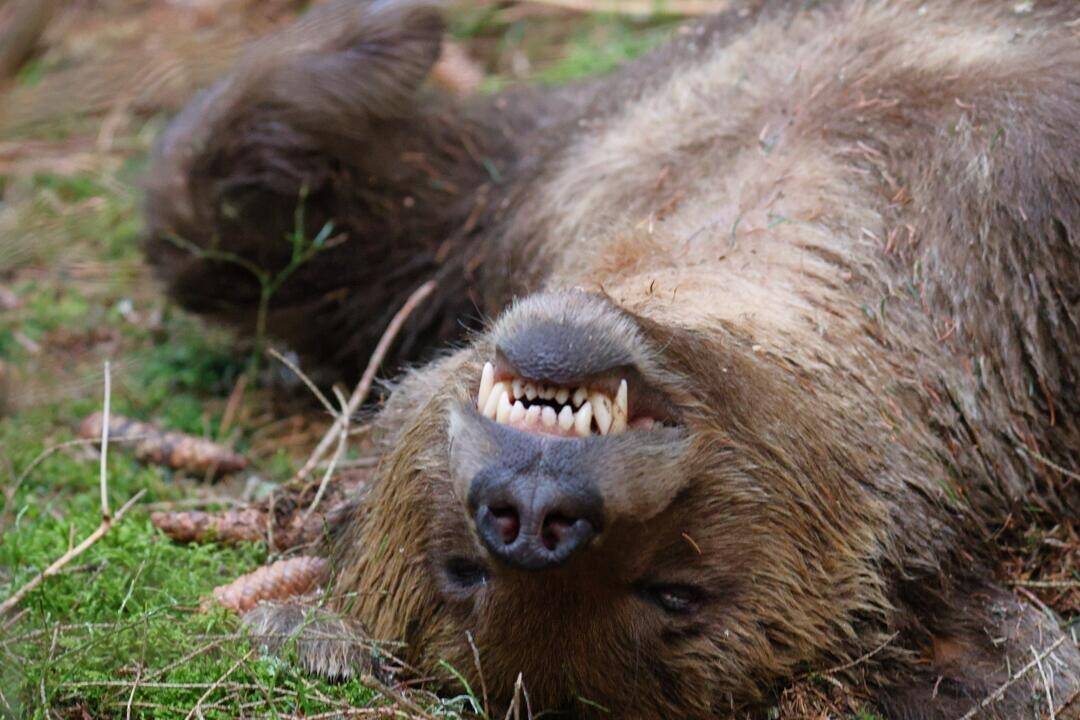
[
  {"x": 465, "y": 574},
  {"x": 676, "y": 599}
]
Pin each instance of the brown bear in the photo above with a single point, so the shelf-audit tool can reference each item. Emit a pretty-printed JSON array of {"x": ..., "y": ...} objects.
[{"x": 786, "y": 324}]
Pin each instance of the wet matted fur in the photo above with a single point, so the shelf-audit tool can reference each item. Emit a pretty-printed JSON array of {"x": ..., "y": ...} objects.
[{"x": 842, "y": 243}]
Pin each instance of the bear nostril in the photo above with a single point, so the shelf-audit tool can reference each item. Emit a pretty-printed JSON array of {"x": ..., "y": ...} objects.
[
  {"x": 507, "y": 524},
  {"x": 555, "y": 529}
]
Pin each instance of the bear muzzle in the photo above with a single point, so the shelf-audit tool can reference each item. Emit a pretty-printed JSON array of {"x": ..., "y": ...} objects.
[{"x": 534, "y": 502}]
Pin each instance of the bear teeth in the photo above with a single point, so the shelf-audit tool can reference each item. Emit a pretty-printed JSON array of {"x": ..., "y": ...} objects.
[{"x": 537, "y": 407}]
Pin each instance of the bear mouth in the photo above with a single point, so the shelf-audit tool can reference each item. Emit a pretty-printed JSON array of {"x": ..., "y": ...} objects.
[{"x": 602, "y": 405}]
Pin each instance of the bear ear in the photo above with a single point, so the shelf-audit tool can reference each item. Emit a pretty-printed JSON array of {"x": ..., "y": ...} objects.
[
  {"x": 345, "y": 58},
  {"x": 987, "y": 654}
]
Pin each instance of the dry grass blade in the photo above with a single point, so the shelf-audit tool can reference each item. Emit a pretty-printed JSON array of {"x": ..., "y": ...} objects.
[
  {"x": 343, "y": 439},
  {"x": 278, "y": 581},
  {"x": 862, "y": 658},
  {"x": 1046, "y": 684},
  {"x": 178, "y": 451},
  {"x": 304, "y": 378},
  {"x": 105, "y": 443}
]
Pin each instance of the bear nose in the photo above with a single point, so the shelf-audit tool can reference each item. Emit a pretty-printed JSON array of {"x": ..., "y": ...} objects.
[{"x": 535, "y": 526}]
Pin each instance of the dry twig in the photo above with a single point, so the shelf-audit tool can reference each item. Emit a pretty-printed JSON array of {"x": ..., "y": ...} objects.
[
  {"x": 1048, "y": 462},
  {"x": 360, "y": 394},
  {"x": 216, "y": 685},
  {"x": 1047, "y": 584},
  {"x": 105, "y": 443},
  {"x": 70, "y": 555},
  {"x": 1046, "y": 684},
  {"x": 996, "y": 695},
  {"x": 107, "y": 521}
]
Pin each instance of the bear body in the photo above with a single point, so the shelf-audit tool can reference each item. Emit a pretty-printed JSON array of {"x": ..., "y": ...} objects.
[{"x": 815, "y": 275}]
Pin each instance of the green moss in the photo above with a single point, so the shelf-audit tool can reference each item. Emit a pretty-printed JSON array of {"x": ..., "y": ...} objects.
[{"x": 128, "y": 608}]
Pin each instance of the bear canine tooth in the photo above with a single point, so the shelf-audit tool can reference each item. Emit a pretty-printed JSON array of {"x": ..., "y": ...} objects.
[
  {"x": 504, "y": 408},
  {"x": 601, "y": 407},
  {"x": 492, "y": 404},
  {"x": 532, "y": 415},
  {"x": 580, "y": 396},
  {"x": 518, "y": 388},
  {"x": 583, "y": 420},
  {"x": 530, "y": 391},
  {"x": 517, "y": 413},
  {"x": 621, "y": 411},
  {"x": 566, "y": 418},
  {"x": 548, "y": 416},
  {"x": 562, "y": 395},
  {"x": 487, "y": 381}
]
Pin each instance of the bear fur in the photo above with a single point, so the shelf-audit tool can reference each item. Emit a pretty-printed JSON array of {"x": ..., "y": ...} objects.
[{"x": 838, "y": 243}]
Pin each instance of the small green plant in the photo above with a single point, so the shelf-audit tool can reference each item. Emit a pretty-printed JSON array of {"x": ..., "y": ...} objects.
[{"x": 302, "y": 251}]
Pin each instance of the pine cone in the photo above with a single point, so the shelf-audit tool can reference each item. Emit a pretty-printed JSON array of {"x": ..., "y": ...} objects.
[
  {"x": 179, "y": 451},
  {"x": 279, "y": 581},
  {"x": 292, "y": 525},
  {"x": 231, "y": 526}
]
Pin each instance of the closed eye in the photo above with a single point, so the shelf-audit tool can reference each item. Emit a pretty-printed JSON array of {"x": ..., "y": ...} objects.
[
  {"x": 675, "y": 599},
  {"x": 464, "y": 574}
]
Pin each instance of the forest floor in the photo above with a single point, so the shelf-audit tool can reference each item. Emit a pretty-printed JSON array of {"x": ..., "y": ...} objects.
[{"x": 123, "y": 630}]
